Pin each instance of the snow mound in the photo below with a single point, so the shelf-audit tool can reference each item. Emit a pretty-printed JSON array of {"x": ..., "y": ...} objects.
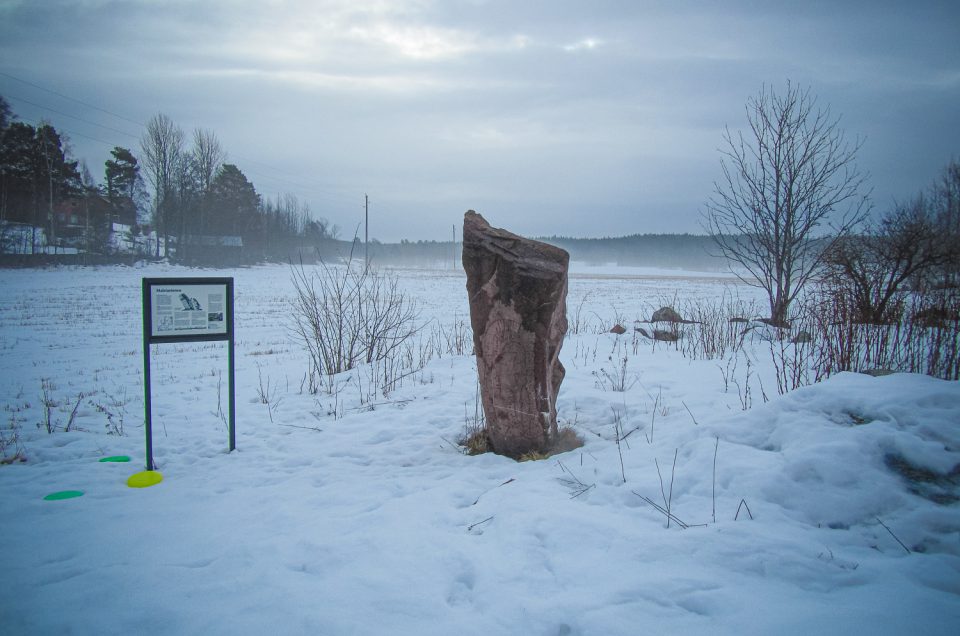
[{"x": 854, "y": 450}]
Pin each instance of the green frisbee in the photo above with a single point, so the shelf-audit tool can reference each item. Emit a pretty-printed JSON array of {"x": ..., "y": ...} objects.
[
  {"x": 63, "y": 494},
  {"x": 115, "y": 458}
]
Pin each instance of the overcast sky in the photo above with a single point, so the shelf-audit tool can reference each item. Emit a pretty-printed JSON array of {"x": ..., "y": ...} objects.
[{"x": 577, "y": 118}]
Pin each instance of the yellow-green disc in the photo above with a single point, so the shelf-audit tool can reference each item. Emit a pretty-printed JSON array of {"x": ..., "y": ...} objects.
[{"x": 144, "y": 479}]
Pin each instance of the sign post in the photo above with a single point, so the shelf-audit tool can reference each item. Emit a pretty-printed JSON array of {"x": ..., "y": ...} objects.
[{"x": 187, "y": 310}]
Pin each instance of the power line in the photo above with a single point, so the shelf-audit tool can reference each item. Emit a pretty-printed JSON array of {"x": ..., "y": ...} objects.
[
  {"x": 71, "y": 132},
  {"x": 313, "y": 190},
  {"x": 72, "y": 99},
  {"x": 113, "y": 114},
  {"x": 92, "y": 123},
  {"x": 284, "y": 179}
]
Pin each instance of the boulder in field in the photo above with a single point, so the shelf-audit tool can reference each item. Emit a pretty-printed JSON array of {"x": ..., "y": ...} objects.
[{"x": 666, "y": 314}]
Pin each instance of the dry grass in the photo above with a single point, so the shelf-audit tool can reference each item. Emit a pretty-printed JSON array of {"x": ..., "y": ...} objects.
[{"x": 476, "y": 442}]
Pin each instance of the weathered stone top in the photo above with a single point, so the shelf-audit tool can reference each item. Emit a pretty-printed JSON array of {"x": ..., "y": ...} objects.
[
  {"x": 531, "y": 258},
  {"x": 518, "y": 274}
]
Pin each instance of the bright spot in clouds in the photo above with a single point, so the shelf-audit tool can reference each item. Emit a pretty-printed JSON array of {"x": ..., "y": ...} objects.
[{"x": 587, "y": 44}]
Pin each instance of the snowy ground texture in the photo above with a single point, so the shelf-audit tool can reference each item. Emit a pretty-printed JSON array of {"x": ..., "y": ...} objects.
[{"x": 341, "y": 517}]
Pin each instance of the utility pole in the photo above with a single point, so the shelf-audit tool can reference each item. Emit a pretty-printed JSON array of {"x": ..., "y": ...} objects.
[
  {"x": 366, "y": 233},
  {"x": 454, "y": 248}
]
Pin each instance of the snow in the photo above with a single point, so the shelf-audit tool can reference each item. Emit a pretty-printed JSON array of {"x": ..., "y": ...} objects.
[{"x": 355, "y": 513}]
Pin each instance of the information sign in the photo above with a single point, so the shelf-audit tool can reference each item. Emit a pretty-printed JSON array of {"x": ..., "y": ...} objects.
[{"x": 187, "y": 310}]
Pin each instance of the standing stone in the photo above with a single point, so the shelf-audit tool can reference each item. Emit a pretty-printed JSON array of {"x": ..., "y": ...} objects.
[{"x": 518, "y": 293}]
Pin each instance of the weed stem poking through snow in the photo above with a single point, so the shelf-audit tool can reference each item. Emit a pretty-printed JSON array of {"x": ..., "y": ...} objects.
[
  {"x": 715, "y": 447},
  {"x": 885, "y": 527}
]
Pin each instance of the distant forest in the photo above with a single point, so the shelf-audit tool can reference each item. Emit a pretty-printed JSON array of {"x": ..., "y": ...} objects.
[{"x": 681, "y": 251}]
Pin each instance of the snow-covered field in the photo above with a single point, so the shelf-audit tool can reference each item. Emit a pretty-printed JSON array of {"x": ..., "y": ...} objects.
[{"x": 831, "y": 509}]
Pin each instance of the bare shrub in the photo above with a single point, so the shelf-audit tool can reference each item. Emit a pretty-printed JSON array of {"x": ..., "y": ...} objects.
[
  {"x": 51, "y": 404},
  {"x": 923, "y": 338},
  {"x": 717, "y": 327},
  {"x": 906, "y": 244},
  {"x": 455, "y": 339},
  {"x": 617, "y": 378},
  {"x": 828, "y": 335},
  {"x": 267, "y": 394},
  {"x": 577, "y": 322},
  {"x": 114, "y": 408},
  {"x": 793, "y": 360},
  {"x": 47, "y": 387},
  {"x": 11, "y": 446},
  {"x": 346, "y": 315},
  {"x": 945, "y": 201}
]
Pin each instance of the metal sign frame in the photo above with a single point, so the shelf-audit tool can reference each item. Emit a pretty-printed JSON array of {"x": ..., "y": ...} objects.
[{"x": 184, "y": 324}]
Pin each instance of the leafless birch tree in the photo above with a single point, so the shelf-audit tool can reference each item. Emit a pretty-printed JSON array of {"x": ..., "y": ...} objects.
[
  {"x": 162, "y": 145},
  {"x": 790, "y": 186},
  {"x": 198, "y": 167}
]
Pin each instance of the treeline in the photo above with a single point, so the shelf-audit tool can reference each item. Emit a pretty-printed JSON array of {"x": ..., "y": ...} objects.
[
  {"x": 174, "y": 197},
  {"x": 36, "y": 175},
  {"x": 681, "y": 251}
]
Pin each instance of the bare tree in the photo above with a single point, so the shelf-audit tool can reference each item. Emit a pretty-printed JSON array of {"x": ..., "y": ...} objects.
[
  {"x": 789, "y": 178},
  {"x": 185, "y": 202},
  {"x": 162, "y": 145},
  {"x": 945, "y": 199},
  {"x": 47, "y": 154},
  {"x": 208, "y": 156}
]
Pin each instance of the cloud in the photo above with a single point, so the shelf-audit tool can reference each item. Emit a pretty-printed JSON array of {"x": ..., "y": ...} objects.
[
  {"x": 316, "y": 80},
  {"x": 417, "y": 42},
  {"x": 556, "y": 108}
]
